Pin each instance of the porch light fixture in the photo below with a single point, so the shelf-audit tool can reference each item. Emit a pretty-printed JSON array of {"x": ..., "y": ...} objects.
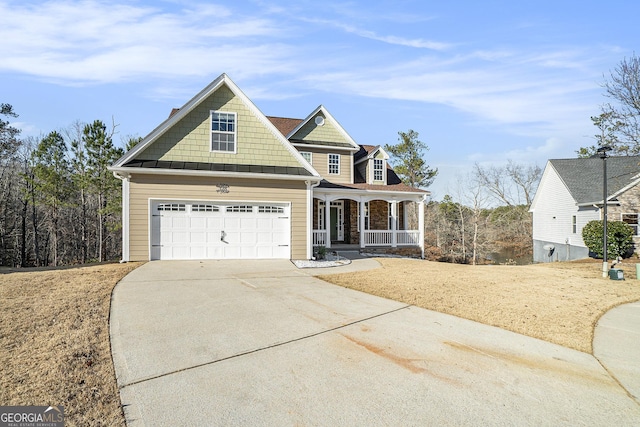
[{"x": 602, "y": 153}]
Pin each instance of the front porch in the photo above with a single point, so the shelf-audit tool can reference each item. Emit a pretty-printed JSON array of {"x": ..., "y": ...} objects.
[{"x": 391, "y": 223}]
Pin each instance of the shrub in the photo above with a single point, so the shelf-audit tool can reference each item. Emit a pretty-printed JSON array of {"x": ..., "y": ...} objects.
[{"x": 619, "y": 238}]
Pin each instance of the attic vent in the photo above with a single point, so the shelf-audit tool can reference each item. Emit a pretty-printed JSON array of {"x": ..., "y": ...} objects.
[{"x": 319, "y": 120}]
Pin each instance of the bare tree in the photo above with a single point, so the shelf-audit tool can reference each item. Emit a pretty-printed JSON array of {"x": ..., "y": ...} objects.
[
  {"x": 513, "y": 184},
  {"x": 619, "y": 120}
]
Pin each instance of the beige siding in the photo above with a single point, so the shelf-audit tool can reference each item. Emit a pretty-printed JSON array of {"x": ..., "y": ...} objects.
[
  {"x": 189, "y": 139},
  {"x": 325, "y": 133},
  {"x": 320, "y": 161},
  {"x": 146, "y": 187}
]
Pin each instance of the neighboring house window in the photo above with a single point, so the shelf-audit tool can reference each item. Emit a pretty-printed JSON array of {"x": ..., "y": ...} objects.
[
  {"x": 334, "y": 164},
  {"x": 223, "y": 131},
  {"x": 632, "y": 220},
  {"x": 378, "y": 170},
  {"x": 574, "y": 224},
  {"x": 306, "y": 155},
  {"x": 366, "y": 216}
]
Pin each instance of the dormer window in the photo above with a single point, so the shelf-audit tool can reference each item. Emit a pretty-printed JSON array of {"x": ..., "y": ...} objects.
[
  {"x": 223, "y": 131},
  {"x": 378, "y": 170}
]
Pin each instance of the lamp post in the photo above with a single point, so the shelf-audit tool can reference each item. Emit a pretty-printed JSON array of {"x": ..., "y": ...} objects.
[{"x": 602, "y": 152}]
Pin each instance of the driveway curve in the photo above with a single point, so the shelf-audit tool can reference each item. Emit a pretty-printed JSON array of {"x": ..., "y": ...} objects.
[{"x": 263, "y": 343}]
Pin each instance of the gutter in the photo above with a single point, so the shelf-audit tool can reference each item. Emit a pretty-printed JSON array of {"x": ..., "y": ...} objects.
[{"x": 186, "y": 172}]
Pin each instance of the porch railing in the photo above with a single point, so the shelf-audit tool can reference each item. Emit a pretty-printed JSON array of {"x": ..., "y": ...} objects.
[
  {"x": 385, "y": 238},
  {"x": 408, "y": 238},
  {"x": 319, "y": 238},
  {"x": 376, "y": 238}
]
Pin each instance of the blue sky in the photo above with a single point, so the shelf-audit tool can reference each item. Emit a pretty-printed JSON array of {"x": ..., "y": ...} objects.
[{"x": 481, "y": 81}]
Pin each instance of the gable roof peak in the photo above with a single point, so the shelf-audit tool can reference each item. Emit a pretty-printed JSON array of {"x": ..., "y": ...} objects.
[
  {"x": 222, "y": 79},
  {"x": 327, "y": 115},
  {"x": 583, "y": 177}
]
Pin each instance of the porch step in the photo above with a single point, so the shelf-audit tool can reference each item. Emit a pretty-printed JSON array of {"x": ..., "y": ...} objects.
[{"x": 351, "y": 254}]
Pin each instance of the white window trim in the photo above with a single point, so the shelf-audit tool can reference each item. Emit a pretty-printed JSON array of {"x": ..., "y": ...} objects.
[
  {"x": 329, "y": 164},
  {"x": 381, "y": 170},
  {"x": 235, "y": 132},
  {"x": 366, "y": 216},
  {"x": 574, "y": 224},
  {"x": 636, "y": 226},
  {"x": 310, "y": 160}
]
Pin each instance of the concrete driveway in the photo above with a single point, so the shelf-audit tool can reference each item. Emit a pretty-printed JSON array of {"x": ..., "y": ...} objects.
[{"x": 262, "y": 343}]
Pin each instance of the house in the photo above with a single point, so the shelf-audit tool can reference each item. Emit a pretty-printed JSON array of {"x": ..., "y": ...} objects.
[
  {"x": 220, "y": 180},
  {"x": 570, "y": 194}
]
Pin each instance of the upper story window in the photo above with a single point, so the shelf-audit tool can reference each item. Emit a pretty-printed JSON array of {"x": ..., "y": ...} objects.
[
  {"x": 306, "y": 155},
  {"x": 378, "y": 169},
  {"x": 223, "y": 131},
  {"x": 334, "y": 164}
]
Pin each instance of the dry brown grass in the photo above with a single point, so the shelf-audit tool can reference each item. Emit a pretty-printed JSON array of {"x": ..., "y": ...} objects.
[
  {"x": 54, "y": 341},
  {"x": 557, "y": 302}
]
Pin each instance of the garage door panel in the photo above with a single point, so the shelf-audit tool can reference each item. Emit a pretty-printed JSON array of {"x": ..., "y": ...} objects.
[
  {"x": 198, "y": 223},
  {"x": 247, "y": 238},
  {"x": 193, "y": 230},
  {"x": 198, "y": 238},
  {"x": 215, "y": 223}
]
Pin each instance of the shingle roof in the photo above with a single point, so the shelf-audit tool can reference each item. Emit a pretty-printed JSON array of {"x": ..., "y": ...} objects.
[
  {"x": 217, "y": 167},
  {"x": 394, "y": 183},
  {"x": 284, "y": 124},
  {"x": 365, "y": 150},
  {"x": 583, "y": 177},
  {"x": 323, "y": 143}
]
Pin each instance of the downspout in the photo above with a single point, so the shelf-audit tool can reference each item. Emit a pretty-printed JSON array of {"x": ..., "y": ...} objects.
[
  {"x": 310, "y": 186},
  {"x": 125, "y": 214}
]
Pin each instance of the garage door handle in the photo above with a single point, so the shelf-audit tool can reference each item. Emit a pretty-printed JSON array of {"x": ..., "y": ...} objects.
[{"x": 222, "y": 236}]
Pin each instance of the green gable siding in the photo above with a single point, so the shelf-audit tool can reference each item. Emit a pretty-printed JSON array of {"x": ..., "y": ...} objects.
[
  {"x": 314, "y": 133},
  {"x": 189, "y": 139}
]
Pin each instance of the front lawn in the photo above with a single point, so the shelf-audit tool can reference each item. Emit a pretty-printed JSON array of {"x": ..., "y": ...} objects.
[
  {"x": 556, "y": 302},
  {"x": 54, "y": 341}
]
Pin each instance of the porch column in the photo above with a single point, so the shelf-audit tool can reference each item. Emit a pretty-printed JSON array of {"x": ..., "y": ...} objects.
[
  {"x": 394, "y": 221},
  {"x": 327, "y": 222},
  {"x": 361, "y": 221},
  {"x": 421, "y": 223}
]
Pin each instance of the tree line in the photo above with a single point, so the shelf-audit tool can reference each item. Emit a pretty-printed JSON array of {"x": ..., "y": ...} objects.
[
  {"x": 59, "y": 204},
  {"x": 485, "y": 219}
]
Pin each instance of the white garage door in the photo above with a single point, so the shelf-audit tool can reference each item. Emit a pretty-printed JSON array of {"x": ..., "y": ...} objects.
[{"x": 211, "y": 230}]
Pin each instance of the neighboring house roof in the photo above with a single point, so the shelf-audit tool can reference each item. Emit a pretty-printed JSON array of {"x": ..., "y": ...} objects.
[{"x": 584, "y": 179}]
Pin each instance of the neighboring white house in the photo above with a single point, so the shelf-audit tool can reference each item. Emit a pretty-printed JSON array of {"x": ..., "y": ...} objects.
[{"x": 570, "y": 194}]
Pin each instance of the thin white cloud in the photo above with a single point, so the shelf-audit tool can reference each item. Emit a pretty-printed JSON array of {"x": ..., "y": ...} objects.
[
  {"x": 516, "y": 92},
  {"x": 98, "y": 42},
  {"x": 390, "y": 39}
]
